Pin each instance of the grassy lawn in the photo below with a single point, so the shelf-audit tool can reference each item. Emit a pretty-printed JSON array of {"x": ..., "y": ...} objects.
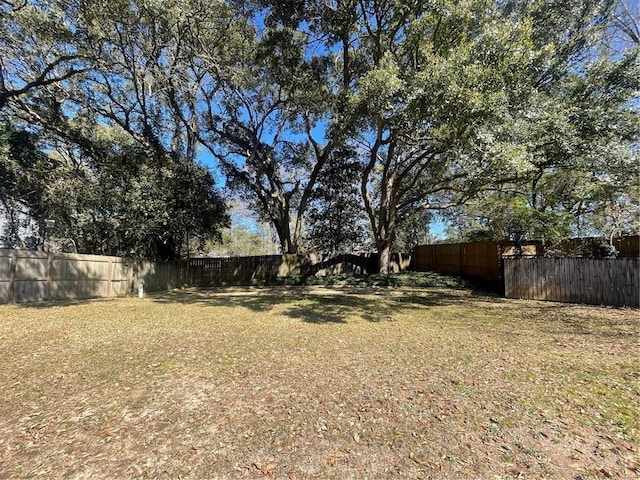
[{"x": 310, "y": 382}]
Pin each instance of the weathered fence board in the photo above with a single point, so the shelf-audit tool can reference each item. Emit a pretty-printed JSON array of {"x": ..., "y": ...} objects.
[
  {"x": 614, "y": 282},
  {"x": 27, "y": 276},
  {"x": 36, "y": 276},
  {"x": 158, "y": 276},
  {"x": 628, "y": 247},
  {"x": 215, "y": 271},
  {"x": 479, "y": 260}
]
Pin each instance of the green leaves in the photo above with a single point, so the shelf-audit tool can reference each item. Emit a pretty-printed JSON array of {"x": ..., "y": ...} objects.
[
  {"x": 378, "y": 89},
  {"x": 441, "y": 101}
]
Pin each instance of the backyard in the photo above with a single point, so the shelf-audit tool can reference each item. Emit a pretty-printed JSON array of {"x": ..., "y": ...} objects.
[{"x": 319, "y": 382}]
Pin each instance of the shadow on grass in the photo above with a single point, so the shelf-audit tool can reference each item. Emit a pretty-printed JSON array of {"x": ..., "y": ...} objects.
[
  {"x": 43, "y": 304},
  {"x": 314, "y": 305},
  {"x": 332, "y": 309},
  {"x": 333, "y": 306},
  {"x": 555, "y": 318},
  {"x": 585, "y": 320}
]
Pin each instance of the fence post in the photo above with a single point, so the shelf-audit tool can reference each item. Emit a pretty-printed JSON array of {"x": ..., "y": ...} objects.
[
  {"x": 13, "y": 262},
  {"x": 129, "y": 265},
  {"x": 109, "y": 277},
  {"x": 135, "y": 269},
  {"x": 49, "y": 275}
]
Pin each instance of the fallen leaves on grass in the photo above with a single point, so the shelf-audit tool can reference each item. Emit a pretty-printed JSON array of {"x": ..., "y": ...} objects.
[{"x": 304, "y": 383}]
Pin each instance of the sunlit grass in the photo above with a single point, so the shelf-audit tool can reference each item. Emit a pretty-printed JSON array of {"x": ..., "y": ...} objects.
[{"x": 340, "y": 382}]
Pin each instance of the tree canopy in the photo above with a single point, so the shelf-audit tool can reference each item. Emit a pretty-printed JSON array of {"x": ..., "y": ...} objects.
[{"x": 500, "y": 115}]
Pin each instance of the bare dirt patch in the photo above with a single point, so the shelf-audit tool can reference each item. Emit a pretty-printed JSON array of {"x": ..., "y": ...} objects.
[{"x": 305, "y": 382}]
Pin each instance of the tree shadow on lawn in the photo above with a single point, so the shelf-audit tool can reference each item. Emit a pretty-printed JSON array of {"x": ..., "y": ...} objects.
[
  {"x": 557, "y": 318},
  {"x": 44, "y": 304},
  {"x": 315, "y": 305},
  {"x": 581, "y": 319}
]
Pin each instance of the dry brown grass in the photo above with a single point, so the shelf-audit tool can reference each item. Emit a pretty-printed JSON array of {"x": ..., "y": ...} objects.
[{"x": 300, "y": 383}]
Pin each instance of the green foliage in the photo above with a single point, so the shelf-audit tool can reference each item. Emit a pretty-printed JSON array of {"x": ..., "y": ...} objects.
[
  {"x": 25, "y": 175},
  {"x": 499, "y": 218},
  {"x": 119, "y": 202},
  {"x": 519, "y": 104},
  {"x": 43, "y": 44},
  {"x": 242, "y": 239},
  {"x": 126, "y": 180},
  {"x": 413, "y": 230},
  {"x": 404, "y": 279},
  {"x": 450, "y": 102},
  {"x": 336, "y": 222},
  {"x": 581, "y": 165},
  {"x": 149, "y": 210},
  {"x": 263, "y": 136}
]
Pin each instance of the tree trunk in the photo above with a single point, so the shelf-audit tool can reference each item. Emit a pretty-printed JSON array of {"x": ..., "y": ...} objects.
[
  {"x": 383, "y": 224},
  {"x": 384, "y": 259},
  {"x": 386, "y": 234},
  {"x": 283, "y": 230}
]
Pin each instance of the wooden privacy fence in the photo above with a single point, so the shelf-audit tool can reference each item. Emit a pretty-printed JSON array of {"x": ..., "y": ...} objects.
[
  {"x": 628, "y": 247},
  {"x": 215, "y": 271},
  {"x": 31, "y": 276},
  {"x": 206, "y": 271},
  {"x": 603, "y": 281},
  {"x": 480, "y": 260},
  {"x": 27, "y": 276}
]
